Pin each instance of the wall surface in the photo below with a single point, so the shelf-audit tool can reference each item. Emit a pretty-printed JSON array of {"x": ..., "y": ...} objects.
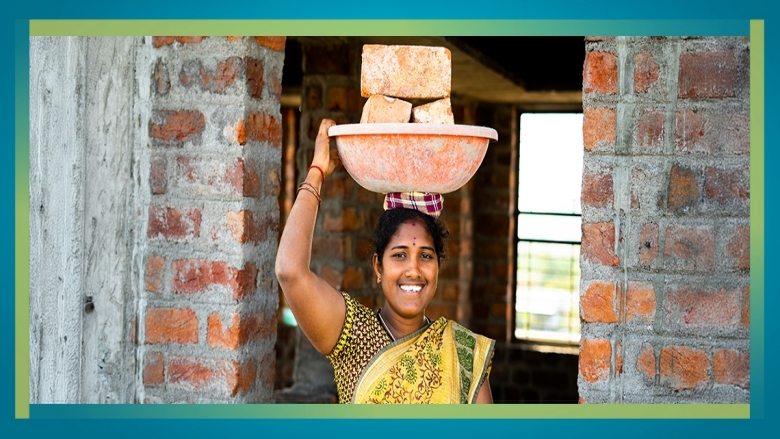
[{"x": 665, "y": 287}]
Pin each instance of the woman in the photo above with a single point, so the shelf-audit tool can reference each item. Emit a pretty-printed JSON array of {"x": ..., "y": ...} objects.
[{"x": 395, "y": 355}]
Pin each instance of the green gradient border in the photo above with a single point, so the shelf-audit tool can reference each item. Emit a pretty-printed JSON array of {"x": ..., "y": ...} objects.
[{"x": 754, "y": 28}]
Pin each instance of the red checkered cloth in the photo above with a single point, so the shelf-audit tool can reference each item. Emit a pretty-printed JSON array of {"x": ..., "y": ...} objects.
[{"x": 425, "y": 202}]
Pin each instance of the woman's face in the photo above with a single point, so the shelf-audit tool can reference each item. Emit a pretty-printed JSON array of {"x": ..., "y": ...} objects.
[{"x": 409, "y": 271}]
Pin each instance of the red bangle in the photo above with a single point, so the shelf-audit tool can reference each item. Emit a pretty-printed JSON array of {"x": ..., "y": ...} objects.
[{"x": 319, "y": 169}]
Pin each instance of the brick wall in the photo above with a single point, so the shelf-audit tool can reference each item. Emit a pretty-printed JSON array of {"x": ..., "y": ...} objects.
[
  {"x": 209, "y": 303},
  {"x": 665, "y": 245}
]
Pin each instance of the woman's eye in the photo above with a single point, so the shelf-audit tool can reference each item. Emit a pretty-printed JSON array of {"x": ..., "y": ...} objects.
[{"x": 427, "y": 256}]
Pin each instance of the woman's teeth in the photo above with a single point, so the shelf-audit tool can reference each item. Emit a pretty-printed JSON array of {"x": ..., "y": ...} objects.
[{"x": 411, "y": 288}]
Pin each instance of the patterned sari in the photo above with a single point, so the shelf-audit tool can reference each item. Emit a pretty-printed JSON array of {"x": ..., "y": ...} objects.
[{"x": 439, "y": 364}]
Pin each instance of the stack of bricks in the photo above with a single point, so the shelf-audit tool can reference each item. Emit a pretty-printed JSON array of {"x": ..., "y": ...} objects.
[
  {"x": 665, "y": 258},
  {"x": 208, "y": 311}
]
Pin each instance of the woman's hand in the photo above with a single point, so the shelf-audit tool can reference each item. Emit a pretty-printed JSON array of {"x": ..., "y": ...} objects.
[{"x": 322, "y": 153}]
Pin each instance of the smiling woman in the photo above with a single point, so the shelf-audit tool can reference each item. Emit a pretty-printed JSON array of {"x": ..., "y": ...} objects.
[{"x": 396, "y": 354}]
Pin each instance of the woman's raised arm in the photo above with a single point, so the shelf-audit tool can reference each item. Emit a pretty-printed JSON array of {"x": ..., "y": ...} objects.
[{"x": 318, "y": 308}]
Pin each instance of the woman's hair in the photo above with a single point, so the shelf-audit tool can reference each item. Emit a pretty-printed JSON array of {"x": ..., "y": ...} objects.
[{"x": 391, "y": 220}]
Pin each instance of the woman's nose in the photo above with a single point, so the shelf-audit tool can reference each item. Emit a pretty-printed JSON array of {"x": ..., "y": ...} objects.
[{"x": 413, "y": 269}]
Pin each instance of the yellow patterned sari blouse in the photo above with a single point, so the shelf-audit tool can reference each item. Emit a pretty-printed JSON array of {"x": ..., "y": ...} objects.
[{"x": 438, "y": 364}]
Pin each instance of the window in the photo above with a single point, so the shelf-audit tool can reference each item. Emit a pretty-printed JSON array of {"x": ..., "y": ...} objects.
[{"x": 548, "y": 228}]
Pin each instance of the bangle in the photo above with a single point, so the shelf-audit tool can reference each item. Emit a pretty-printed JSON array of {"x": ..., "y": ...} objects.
[
  {"x": 309, "y": 188},
  {"x": 319, "y": 169}
]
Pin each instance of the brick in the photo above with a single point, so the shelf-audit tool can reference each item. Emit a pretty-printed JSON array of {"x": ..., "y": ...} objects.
[
  {"x": 274, "y": 83},
  {"x": 595, "y": 359},
  {"x": 353, "y": 278},
  {"x": 640, "y": 302},
  {"x": 169, "y": 325},
  {"x": 343, "y": 99},
  {"x": 267, "y": 372},
  {"x": 154, "y": 369},
  {"x": 598, "y": 243},
  {"x": 157, "y": 175},
  {"x": 217, "y": 176},
  {"x": 328, "y": 247},
  {"x": 192, "y": 276},
  {"x": 220, "y": 376},
  {"x": 597, "y": 303},
  {"x": 600, "y": 73},
  {"x": 273, "y": 181},
  {"x": 406, "y": 71},
  {"x": 597, "y": 188},
  {"x": 745, "y": 317},
  {"x": 173, "y": 223},
  {"x": 273, "y": 43},
  {"x": 439, "y": 111},
  {"x": 691, "y": 132},
  {"x": 161, "y": 79},
  {"x": 158, "y": 42},
  {"x": 213, "y": 81},
  {"x": 728, "y": 188},
  {"x": 707, "y": 75},
  {"x": 737, "y": 253},
  {"x": 684, "y": 368},
  {"x": 683, "y": 189},
  {"x": 651, "y": 131},
  {"x": 237, "y": 133},
  {"x": 690, "y": 306},
  {"x": 174, "y": 127},
  {"x": 599, "y": 128},
  {"x": 346, "y": 220},
  {"x": 244, "y": 228},
  {"x": 618, "y": 359},
  {"x": 646, "y": 72},
  {"x": 155, "y": 265},
  {"x": 736, "y": 134},
  {"x": 732, "y": 367},
  {"x": 313, "y": 97},
  {"x": 689, "y": 248},
  {"x": 264, "y": 128},
  {"x": 243, "y": 329},
  {"x": 648, "y": 245},
  {"x": 384, "y": 109},
  {"x": 645, "y": 363},
  {"x": 254, "y": 77},
  {"x": 337, "y": 186}
]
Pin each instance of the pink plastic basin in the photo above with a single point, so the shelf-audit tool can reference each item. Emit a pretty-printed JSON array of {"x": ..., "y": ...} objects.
[{"x": 405, "y": 157}]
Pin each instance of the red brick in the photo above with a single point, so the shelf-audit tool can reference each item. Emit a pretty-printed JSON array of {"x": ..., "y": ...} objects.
[
  {"x": 353, "y": 278},
  {"x": 648, "y": 245},
  {"x": 273, "y": 181},
  {"x": 598, "y": 243},
  {"x": 337, "y": 186},
  {"x": 173, "y": 223},
  {"x": 254, "y": 77},
  {"x": 683, "y": 189},
  {"x": 745, "y": 318},
  {"x": 313, "y": 97},
  {"x": 707, "y": 75},
  {"x": 220, "y": 376},
  {"x": 262, "y": 127},
  {"x": 273, "y": 43},
  {"x": 640, "y": 302},
  {"x": 406, "y": 71},
  {"x": 244, "y": 228},
  {"x": 267, "y": 370},
  {"x": 595, "y": 359},
  {"x": 601, "y": 73},
  {"x": 346, "y": 220},
  {"x": 689, "y": 248},
  {"x": 689, "y": 306},
  {"x": 736, "y": 134},
  {"x": 645, "y": 363},
  {"x": 160, "y": 78},
  {"x": 343, "y": 99},
  {"x": 692, "y": 131},
  {"x": 597, "y": 189},
  {"x": 645, "y": 73},
  {"x": 738, "y": 248},
  {"x": 599, "y": 128},
  {"x": 328, "y": 247},
  {"x": 728, "y": 188},
  {"x": 155, "y": 266},
  {"x": 242, "y": 330},
  {"x": 218, "y": 176},
  {"x": 157, "y": 175},
  {"x": 169, "y": 325},
  {"x": 274, "y": 83},
  {"x": 176, "y": 126},
  {"x": 618, "y": 359},
  {"x": 154, "y": 369},
  {"x": 597, "y": 304},
  {"x": 651, "y": 131},
  {"x": 732, "y": 367},
  {"x": 193, "y": 373},
  {"x": 684, "y": 368},
  {"x": 216, "y": 81},
  {"x": 197, "y": 275},
  {"x": 158, "y": 42}
]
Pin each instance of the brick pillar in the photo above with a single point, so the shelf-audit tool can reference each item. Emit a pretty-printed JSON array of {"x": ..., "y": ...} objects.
[
  {"x": 210, "y": 299},
  {"x": 664, "y": 295}
]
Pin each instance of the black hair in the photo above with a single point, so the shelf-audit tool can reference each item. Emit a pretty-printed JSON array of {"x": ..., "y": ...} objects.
[{"x": 391, "y": 220}]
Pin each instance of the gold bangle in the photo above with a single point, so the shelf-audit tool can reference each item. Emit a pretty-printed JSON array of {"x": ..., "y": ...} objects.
[{"x": 311, "y": 190}]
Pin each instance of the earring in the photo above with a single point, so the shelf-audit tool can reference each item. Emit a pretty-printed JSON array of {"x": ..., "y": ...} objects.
[{"x": 379, "y": 279}]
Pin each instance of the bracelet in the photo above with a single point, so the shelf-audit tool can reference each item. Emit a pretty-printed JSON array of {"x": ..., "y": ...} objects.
[
  {"x": 319, "y": 169},
  {"x": 309, "y": 188}
]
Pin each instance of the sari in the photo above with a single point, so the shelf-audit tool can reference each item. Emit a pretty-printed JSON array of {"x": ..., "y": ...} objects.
[{"x": 443, "y": 363}]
